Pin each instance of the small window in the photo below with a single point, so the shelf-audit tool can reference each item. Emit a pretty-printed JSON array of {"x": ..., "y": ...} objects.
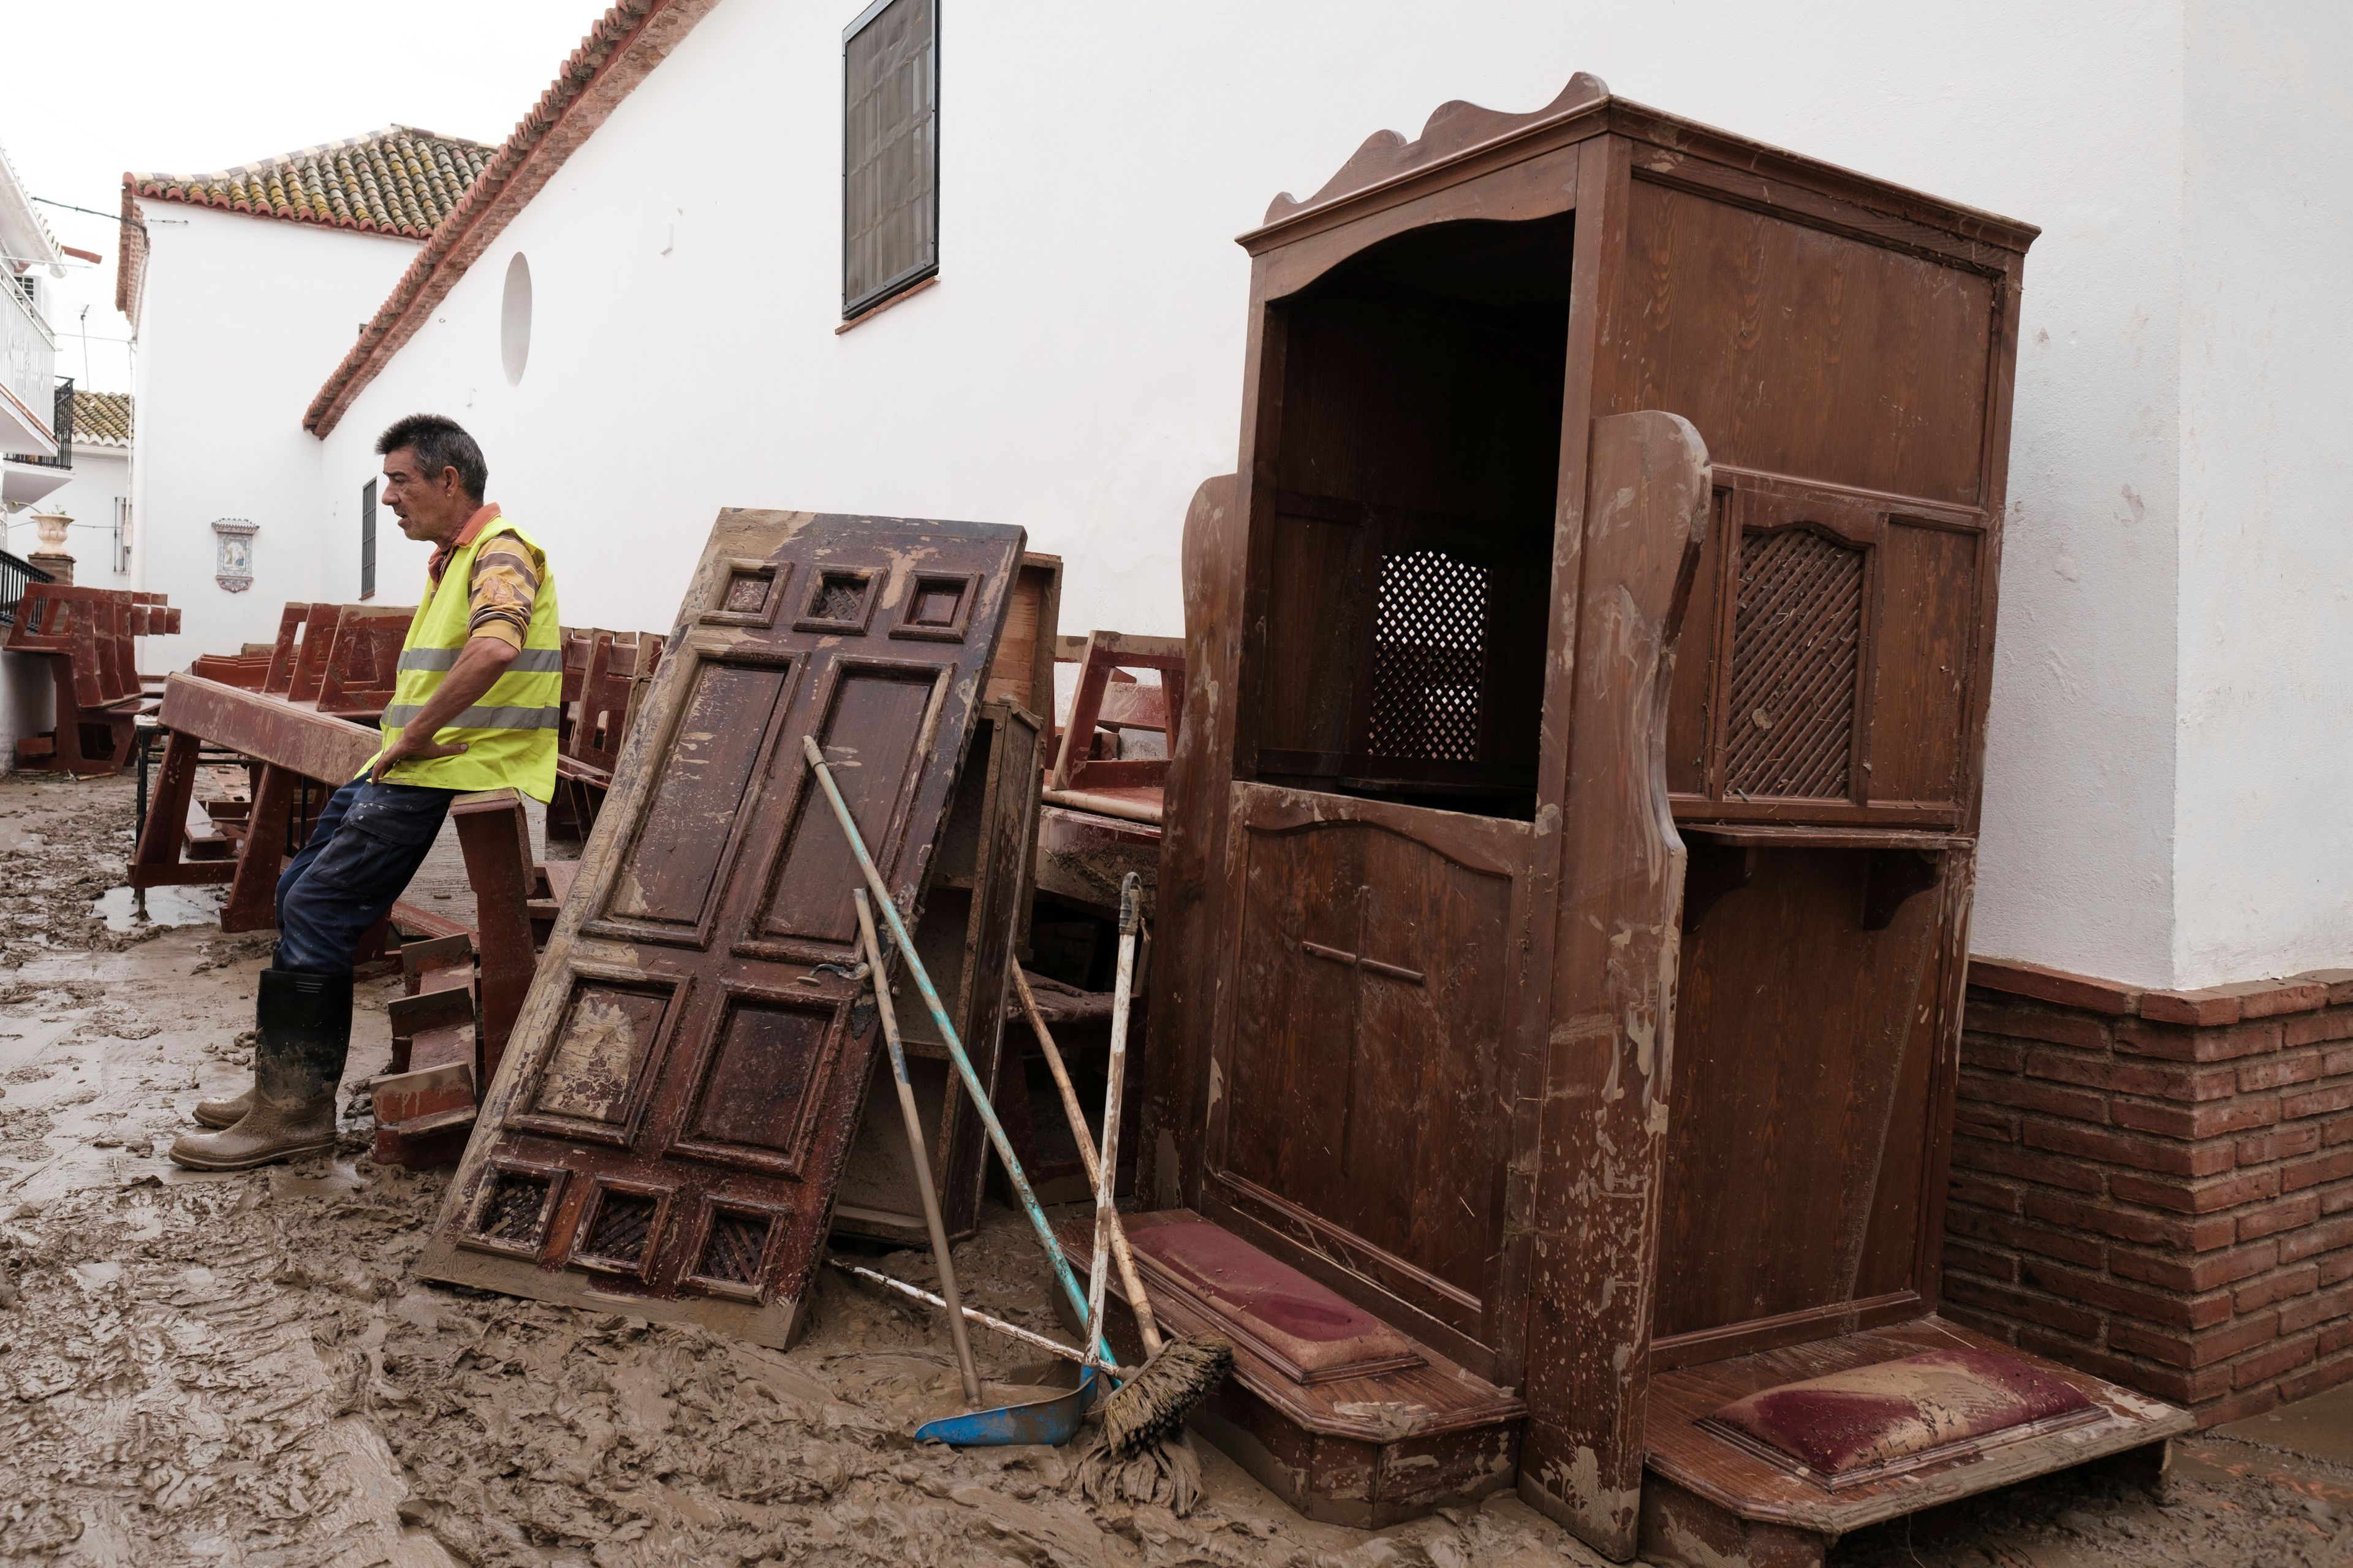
[
  {"x": 367, "y": 541},
  {"x": 890, "y": 150},
  {"x": 514, "y": 320}
]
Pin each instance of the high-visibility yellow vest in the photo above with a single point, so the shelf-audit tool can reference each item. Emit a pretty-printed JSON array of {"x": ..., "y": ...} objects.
[{"x": 510, "y": 731}]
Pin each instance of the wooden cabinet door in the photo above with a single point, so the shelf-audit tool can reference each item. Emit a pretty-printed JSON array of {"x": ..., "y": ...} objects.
[
  {"x": 1360, "y": 1127},
  {"x": 667, "y": 1131}
]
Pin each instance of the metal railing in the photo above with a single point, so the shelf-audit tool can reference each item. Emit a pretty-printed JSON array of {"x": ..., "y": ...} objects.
[
  {"x": 28, "y": 350},
  {"x": 61, "y": 425},
  {"x": 14, "y": 574}
]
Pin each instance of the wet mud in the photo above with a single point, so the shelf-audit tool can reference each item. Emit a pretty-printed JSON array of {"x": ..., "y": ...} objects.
[{"x": 244, "y": 1368}]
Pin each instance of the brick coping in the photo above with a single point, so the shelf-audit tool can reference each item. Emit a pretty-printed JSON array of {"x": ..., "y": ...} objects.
[{"x": 2214, "y": 1005}]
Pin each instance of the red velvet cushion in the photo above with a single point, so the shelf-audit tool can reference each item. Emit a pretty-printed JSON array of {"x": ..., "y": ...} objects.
[
  {"x": 1875, "y": 1414},
  {"x": 1308, "y": 1329}
]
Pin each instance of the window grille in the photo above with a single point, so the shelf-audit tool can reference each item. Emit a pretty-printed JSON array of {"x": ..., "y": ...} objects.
[
  {"x": 1430, "y": 641},
  {"x": 367, "y": 540},
  {"x": 890, "y": 150}
]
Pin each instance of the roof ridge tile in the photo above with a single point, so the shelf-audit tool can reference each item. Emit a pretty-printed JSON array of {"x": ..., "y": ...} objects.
[{"x": 621, "y": 49}]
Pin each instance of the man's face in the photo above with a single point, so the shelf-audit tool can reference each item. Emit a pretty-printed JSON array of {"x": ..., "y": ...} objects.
[{"x": 430, "y": 507}]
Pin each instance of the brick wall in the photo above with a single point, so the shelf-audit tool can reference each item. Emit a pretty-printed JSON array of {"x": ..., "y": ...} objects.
[{"x": 2158, "y": 1186}]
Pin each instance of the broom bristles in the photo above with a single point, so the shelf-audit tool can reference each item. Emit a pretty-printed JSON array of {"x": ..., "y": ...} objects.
[{"x": 1153, "y": 1404}]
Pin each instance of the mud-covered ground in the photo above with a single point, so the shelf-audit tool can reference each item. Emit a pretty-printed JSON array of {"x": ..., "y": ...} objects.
[{"x": 244, "y": 1370}]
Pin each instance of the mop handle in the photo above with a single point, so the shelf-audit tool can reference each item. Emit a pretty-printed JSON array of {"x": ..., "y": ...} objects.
[
  {"x": 1147, "y": 1327},
  {"x": 918, "y": 1155},
  {"x": 980, "y": 1100},
  {"x": 1011, "y": 1331},
  {"x": 1107, "y": 1170}
]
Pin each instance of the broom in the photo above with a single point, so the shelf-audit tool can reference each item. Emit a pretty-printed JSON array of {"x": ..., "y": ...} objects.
[
  {"x": 1140, "y": 1415},
  {"x": 1139, "y": 1426},
  {"x": 1169, "y": 1385}
]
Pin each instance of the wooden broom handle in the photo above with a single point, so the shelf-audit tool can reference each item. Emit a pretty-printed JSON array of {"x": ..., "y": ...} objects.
[{"x": 1147, "y": 1325}]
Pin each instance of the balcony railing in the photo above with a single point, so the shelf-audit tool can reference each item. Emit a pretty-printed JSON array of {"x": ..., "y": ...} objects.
[
  {"x": 61, "y": 425},
  {"x": 14, "y": 574},
  {"x": 28, "y": 353}
]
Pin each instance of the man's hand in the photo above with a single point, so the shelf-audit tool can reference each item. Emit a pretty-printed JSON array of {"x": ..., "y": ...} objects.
[
  {"x": 415, "y": 745},
  {"x": 480, "y": 662}
]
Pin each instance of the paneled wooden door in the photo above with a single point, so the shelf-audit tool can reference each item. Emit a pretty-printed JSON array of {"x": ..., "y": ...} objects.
[
  {"x": 666, "y": 1132},
  {"x": 1358, "y": 1126}
]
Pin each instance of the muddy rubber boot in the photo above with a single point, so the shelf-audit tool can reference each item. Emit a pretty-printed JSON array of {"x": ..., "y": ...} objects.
[
  {"x": 306, "y": 1032},
  {"x": 224, "y": 1112}
]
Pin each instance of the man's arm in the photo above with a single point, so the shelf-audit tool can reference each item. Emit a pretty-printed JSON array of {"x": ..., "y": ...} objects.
[{"x": 479, "y": 663}]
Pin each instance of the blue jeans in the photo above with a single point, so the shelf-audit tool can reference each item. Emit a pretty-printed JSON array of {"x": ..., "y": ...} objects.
[{"x": 368, "y": 843}]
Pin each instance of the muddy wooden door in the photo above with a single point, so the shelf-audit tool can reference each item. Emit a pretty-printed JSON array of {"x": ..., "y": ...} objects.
[
  {"x": 666, "y": 1132},
  {"x": 1361, "y": 1116}
]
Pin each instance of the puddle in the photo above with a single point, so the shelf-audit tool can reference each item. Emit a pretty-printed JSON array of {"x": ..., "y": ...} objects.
[{"x": 118, "y": 907}]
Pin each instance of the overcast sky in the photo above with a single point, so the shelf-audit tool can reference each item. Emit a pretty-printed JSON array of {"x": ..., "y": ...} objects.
[{"x": 95, "y": 86}]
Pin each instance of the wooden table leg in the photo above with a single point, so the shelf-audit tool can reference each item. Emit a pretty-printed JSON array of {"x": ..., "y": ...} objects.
[
  {"x": 495, "y": 836},
  {"x": 67, "y": 758},
  {"x": 253, "y": 892},
  {"x": 157, "y": 861}
]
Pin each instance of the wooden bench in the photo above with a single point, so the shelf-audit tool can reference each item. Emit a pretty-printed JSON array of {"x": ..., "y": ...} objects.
[{"x": 88, "y": 636}]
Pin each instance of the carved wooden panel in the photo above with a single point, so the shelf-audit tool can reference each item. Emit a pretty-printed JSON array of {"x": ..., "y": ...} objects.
[
  {"x": 667, "y": 1130},
  {"x": 1364, "y": 1074},
  {"x": 1790, "y": 1224},
  {"x": 1796, "y": 648},
  {"x": 1832, "y": 672},
  {"x": 1801, "y": 351}
]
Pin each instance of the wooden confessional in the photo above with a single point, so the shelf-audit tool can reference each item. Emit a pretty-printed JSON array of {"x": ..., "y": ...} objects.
[{"x": 1486, "y": 1184}]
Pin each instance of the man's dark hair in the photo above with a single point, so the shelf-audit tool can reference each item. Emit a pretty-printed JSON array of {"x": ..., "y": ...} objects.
[{"x": 439, "y": 442}]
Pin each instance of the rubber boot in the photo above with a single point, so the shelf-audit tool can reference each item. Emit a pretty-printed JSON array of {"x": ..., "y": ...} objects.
[
  {"x": 306, "y": 1033},
  {"x": 224, "y": 1112}
]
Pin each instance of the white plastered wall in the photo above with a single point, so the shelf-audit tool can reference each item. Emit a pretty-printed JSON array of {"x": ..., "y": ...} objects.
[
  {"x": 2264, "y": 879},
  {"x": 100, "y": 474},
  {"x": 242, "y": 318},
  {"x": 1077, "y": 368}
]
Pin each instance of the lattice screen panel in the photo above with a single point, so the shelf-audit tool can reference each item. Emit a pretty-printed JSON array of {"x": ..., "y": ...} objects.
[
  {"x": 840, "y": 597},
  {"x": 618, "y": 1234},
  {"x": 1429, "y": 639},
  {"x": 731, "y": 1253},
  {"x": 1796, "y": 633},
  {"x": 512, "y": 1213}
]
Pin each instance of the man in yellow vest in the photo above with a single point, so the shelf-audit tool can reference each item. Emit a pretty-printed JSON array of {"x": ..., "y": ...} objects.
[{"x": 475, "y": 707}]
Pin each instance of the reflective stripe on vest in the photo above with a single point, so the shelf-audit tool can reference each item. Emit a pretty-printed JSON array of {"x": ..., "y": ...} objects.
[
  {"x": 510, "y": 731},
  {"x": 529, "y": 660}
]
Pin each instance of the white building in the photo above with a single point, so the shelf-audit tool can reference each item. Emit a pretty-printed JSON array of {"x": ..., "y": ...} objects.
[
  {"x": 32, "y": 462},
  {"x": 95, "y": 498},
  {"x": 641, "y": 315},
  {"x": 244, "y": 287},
  {"x": 30, "y": 259}
]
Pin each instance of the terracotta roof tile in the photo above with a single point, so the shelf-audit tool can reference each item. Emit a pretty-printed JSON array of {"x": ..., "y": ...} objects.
[
  {"x": 398, "y": 180},
  {"x": 101, "y": 418}
]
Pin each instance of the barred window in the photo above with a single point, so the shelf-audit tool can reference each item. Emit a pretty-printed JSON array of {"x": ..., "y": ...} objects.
[
  {"x": 890, "y": 150},
  {"x": 367, "y": 541}
]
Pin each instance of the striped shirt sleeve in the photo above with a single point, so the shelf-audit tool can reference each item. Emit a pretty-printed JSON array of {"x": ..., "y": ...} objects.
[{"x": 505, "y": 583}]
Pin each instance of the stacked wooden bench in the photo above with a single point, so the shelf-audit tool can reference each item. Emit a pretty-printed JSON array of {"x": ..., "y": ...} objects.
[
  {"x": 88, "y": 636},
  {"x": 606, "y": 677}
]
